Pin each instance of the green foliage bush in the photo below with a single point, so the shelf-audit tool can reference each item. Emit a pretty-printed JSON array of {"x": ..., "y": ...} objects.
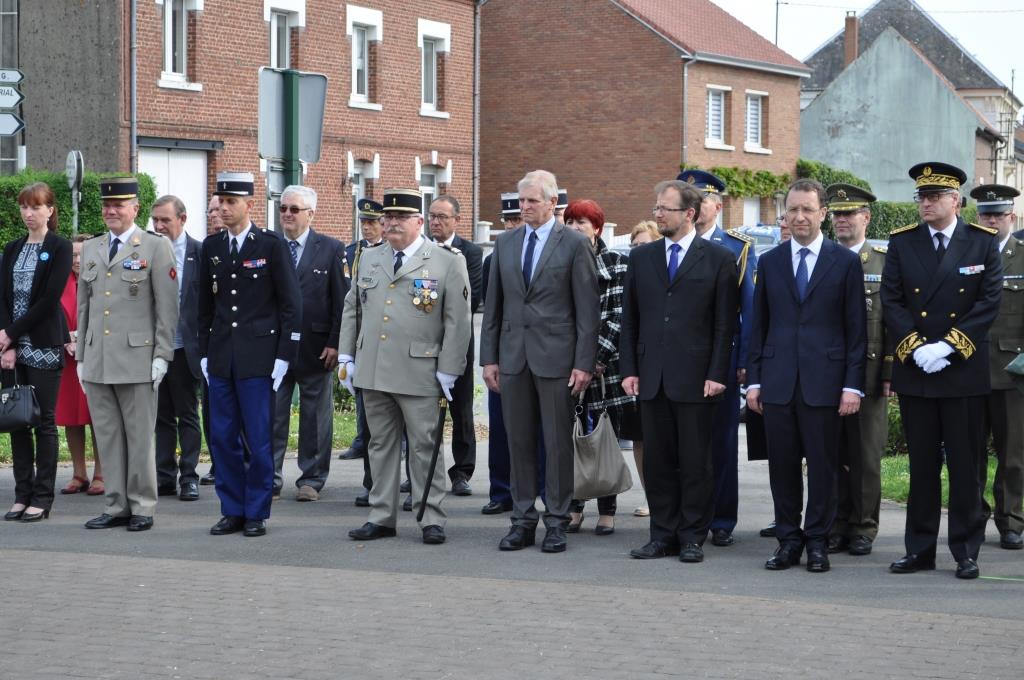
[
  {"x": 742, "y": 182},
  {"x": 90, "y": 215}
]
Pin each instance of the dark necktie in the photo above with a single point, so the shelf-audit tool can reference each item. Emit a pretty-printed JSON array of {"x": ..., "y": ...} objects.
[
  {"x": 113, "y": 249},
  {"x": 234, "y": 249},
  {"x": 940, "y": 250},
  {"x": 528, "y": 260},
  {"x": 673, "y": 261},
  {"x": 294, "y": 247},
  {"x": 801, "y": 274},
  {"x": 398, "y": 260}
]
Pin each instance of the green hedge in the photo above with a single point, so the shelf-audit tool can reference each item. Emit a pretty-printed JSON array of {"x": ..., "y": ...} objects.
[{"x": 90, "y": 216}]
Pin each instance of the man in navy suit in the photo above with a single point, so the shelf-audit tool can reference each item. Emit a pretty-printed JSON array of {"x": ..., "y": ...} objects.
[
  {"x": 806, "y": 370},
  {"x": 679, "y": 306},
  {"x": 177, "y": 409},
  {"x": 319, "y": 263},
  {"x": 725, "y": 430}
]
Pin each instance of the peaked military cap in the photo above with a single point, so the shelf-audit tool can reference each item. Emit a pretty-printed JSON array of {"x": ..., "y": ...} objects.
[
  {"x": 563, "y": 199},
  {"x": 994, "y": 198},
  {"x": 929, "y": 177},
  {"x": 847, "y": 197},
  {"x": 702, "y": 181},
  {"x": 402, "y": 200},
  {"x": 369, "y": 209},
  {"x": 234, "y": 184},
  {"x": 510, "y": 204},
  {"x": 119, "y": 187}
]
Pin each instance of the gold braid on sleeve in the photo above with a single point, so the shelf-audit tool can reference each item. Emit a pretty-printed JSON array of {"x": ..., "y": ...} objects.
[
  {"x": 908, "y": 345},
  {"x": 960, "y": 342}
]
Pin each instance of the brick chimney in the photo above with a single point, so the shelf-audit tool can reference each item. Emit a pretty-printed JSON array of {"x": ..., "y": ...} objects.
[{"x": 850, "y": 38}]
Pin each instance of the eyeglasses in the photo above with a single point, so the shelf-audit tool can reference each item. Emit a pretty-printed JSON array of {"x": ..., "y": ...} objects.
[
  {"x": 400, "y": 217},
  {"x": 662, "y": 209},
  {"x": 931, "y": 196},
  {"x": 439, "y": 216},
  {"x": 293, "y": 209}
]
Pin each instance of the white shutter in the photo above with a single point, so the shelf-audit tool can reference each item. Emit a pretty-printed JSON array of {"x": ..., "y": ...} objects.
[
  {"x": 753, "y": 120},
  {"x": 716, "y": 111}
]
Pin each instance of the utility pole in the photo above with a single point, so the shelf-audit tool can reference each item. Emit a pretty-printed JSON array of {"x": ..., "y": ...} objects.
[{"x": 776, "y": 23}]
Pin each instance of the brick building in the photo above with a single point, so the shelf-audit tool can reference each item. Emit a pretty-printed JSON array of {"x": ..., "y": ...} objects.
[
  {"x": 399, "y": 109},
  {"x": 595, "y": 94}
]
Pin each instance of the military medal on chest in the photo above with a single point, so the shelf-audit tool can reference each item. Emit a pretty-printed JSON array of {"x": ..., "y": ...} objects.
[{"x": 424, "y": 294}]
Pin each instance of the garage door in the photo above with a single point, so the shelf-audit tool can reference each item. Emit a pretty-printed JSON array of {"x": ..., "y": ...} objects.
[{"x": 181, "y": 172}]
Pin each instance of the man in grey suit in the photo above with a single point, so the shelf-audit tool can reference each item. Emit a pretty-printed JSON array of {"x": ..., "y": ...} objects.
[
  {"x": 538, "y": 347},
  {"x": 177, "y": 407}
]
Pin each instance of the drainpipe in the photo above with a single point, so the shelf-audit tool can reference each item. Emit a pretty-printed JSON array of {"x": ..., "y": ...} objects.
[
  {"x": 476, "y": 120},
  {"x": 686, "y": 67},
  {"x": 134, "y": 160}
]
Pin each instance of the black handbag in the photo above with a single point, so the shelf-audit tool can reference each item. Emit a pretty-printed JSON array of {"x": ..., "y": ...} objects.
[{"x": 19, "y": 407}]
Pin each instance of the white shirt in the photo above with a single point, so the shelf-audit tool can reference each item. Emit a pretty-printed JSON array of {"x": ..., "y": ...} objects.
[
  {"x": 301, "y": 240},
  {"x": 123, "y": 238},
  {"x": 410, "y": 250},
  {"x": 811, "y": 258},
  {"x": 240, "y": 239},
  {"x": 684, "y": 245},
  {"x": 857, "y": 247},
  {"x": 1002, "y": 244},
  {"x": 450, "y": 240},
  {"x": 946, "y": 231}
]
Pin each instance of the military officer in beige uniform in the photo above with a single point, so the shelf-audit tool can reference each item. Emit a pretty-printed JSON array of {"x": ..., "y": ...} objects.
[
  {"x": 1005, "y": 341},
  {"x": 864, "y": 434},
  {"x": 127, "y": 314},
  {"x": 410, "y": 346}
]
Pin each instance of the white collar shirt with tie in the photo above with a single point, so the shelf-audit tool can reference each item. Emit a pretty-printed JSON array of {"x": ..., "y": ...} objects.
[
  {"x": 301, "y": 248},
  {"x": 684, "y": 245},
  {"x": 947, "y": 233},
  {"x": 543, "y": 232},
  {"x": 240, "y": 239},
  {"x": 123, "y": 238},
  {"x": 814, "y": 248},
  {"x": 409, "y": 250}
]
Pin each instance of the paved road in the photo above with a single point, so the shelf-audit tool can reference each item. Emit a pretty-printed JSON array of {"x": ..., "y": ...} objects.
[{"x": 306, "y": 602}]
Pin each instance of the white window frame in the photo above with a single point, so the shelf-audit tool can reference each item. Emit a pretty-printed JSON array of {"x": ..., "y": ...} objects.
[
  {"x": 750, "y": 143},
  {"x": 361, "y": 43},
  {"x": 710, "y": 141},
  {"x": 274, "y": 11},
  {"x": 169, "y": 78},
  {"x": 276, "y": 19},
  {"x": 358, "y": 173},
  {"x": 440, "y": 36},
  {"x": 371, "y": 21}
]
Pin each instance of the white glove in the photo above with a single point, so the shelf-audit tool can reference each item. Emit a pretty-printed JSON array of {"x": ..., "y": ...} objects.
[
  {"x": 280, "y": 368},
  {"x": 447, "y": 381},
  {"x": 202, "y": 367},
  {"x": 80, "y": 370},
  {"x": 158, "y": 372},
  {"x": 346, "y": 372},
  {"x": 935, "y": 365},
  {"x": 927, "y": 354}
]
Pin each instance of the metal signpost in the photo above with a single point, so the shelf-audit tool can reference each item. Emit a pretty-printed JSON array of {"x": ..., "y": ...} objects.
[{"x": 74, "y": 168}]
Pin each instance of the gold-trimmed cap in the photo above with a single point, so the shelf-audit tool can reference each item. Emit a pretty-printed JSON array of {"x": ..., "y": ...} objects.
[
  {"x": 847, "y": 197},
  {"x": 235, "y": 184},
  {"x": 369, "y": 209},
  {"x": 119, "y": 188},
  {"x": 705, "y": 182},
  {"x": 402, "y": 200},
  {"x": 510, "y": 204},
  {"x": 937, "y": 177},
  {"x": 994, "y": 198}
]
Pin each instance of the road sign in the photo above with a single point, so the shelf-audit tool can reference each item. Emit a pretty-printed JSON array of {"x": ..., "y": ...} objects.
[
  {"x": 10, "y": 124},
  {"x": 10, "y": 97},
  {"x": 272, "y": 119},
  {"x": 10, "y": 76},
  {"x": 74, "y": 167}
]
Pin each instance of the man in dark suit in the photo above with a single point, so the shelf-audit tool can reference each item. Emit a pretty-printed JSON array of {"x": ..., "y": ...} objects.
[
  {"x": 444, "y": 221},
  {"x": 538, "y": 347},
  {"x": 941, "y": 289},
  {"x": 678, "y": 318},
  {"x": 319, "y": 263},
  {"x": 807, "y": 349},
  {"x": 177, "y": 409},
  {"x": 249, "y": 330}
]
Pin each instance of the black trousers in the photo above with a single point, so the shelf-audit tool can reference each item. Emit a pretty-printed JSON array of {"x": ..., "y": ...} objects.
[
  {"x": 177, "y": 420},
  {"x": 796, "y": 430},
  {"x": 463, "y": 429},
  {"x": 678, "y": 468},
  {"x": 956, "y": 426},
  {"x": 34, "y": 453}
]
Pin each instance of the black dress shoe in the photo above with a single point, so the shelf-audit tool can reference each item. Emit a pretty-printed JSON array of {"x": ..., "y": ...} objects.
[
  {"x": 837, "y": 544},
  {"x": 721, "y": 537},
  {"x": 371, "y": 532},
  {"x": 350, "y": 454},
  {"x": 460, "y": 487},
  {"x": 106, "y": 521},
  {"x": 140, "y": 523},
  {"x": 496, "y": 508},
  {"x": 406, "y": 487},
  {"x": 908, "y": 564},
  {"x": 785, "y": 557},
  {"x": 967, "y": 568},
  {"x": 407, "y": 503},
  {"x": 207, "y": 480},
  {"x": 817, "y": 560},
  {"x": 433, "y": 535},
  {"x": 654, "y": 550},
  {"x": 691, "y": 552},
  {"x": 363, "y": 500},
  {"x": 860, "y": 545},
  {"x": 189, "y": 491},
  {"x": 1010, "y": 540},
  {"x": 14, "y": 516},
  {"x": 768, "y": 531},
  {"x": 517, "y": 538},
  {"x": 167, "y": 490},
  {"x": 602, "y": 530},
  {"x": 227, "y": 525},
  {"x": 554, "y": 540},
  {"x": 254, "y": 527}
]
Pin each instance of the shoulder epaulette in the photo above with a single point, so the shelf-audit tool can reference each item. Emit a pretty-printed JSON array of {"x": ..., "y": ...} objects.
[
  {"x": 740, "y": 236},
  {"x": 900, "y": 230},
  {"x": 374, "y": 245},
  {"x": 880, "y": 249},
  {"x": 451, "y": 249},
  {"x": 989, "y": 230}
]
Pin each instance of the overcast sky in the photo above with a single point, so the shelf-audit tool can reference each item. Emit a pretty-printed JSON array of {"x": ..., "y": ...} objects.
[{"x": 991, "y": 30}]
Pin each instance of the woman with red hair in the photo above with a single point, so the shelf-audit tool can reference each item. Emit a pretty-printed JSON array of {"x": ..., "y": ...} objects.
[{"x": 605, "y": 391}]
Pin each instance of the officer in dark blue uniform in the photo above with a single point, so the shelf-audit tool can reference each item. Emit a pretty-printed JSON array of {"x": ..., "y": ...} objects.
[
  {"x": 249, "y": 330},
  {"x": 725, "y": 437}
]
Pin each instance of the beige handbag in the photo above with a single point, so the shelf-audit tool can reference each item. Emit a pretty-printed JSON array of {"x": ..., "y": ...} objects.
[{"x": 598, "y": 467}]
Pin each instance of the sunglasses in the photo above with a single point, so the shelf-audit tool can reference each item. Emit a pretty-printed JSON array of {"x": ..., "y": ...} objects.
[{"x": 293, "y": 209}]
